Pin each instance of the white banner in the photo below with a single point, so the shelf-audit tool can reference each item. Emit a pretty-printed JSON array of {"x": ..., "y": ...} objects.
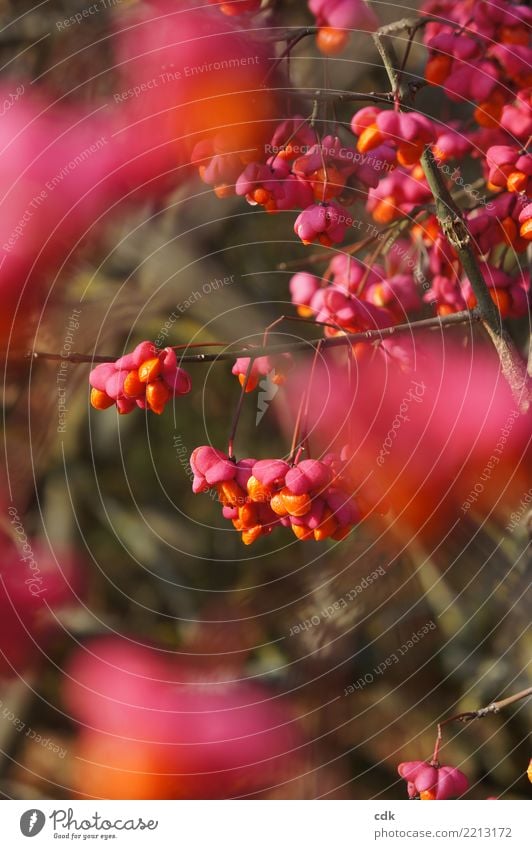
[{"x": 266, "y": 824}]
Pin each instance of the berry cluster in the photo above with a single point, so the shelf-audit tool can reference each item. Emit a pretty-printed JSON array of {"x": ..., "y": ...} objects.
[
  {"x": 429, "y": 781},
  {"x": 352, "y": 297},
  {"x": 481, "y": 52},
  {"x": 275, "y": 366},
  {"x": 146, "y": 378},
  {"x": 407, "y": 133},
  {"x": 317, "y": 175},
  {"x": 335, "y": 18},
  {"x": 477, "y": 51},
  {"x": 313, "y": 497}
]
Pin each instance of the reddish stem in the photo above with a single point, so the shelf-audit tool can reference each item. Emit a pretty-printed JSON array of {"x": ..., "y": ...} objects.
[
  {"x": 295, "y": 447},
  {"x": 236, "y": 417}
]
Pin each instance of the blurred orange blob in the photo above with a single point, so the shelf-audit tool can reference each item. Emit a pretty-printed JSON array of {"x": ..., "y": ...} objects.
[
  {"x": 488, "y": 113},
  {"x": 430, "y": 425},
  {"x": 386, "y": 211},
  {"x": 500, "y": 298},
  {"x": 118, "y": 768},
  {"x": 185, "y": 75},
  {"x": 191, "y": 75},
  {"x": 438, "y": 69},
  {"x": 154, "y": 728},
  {"x": 331, "y": 41},
  {"x": 238, "y": 7}
]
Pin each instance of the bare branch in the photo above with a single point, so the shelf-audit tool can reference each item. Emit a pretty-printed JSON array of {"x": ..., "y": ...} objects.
[
  {"x": 466, "y": 316},
  {"x": 468, "y": 716}
]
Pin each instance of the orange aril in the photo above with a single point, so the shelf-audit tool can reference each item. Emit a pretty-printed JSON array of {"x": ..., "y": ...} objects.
[
  {"x": 514, "y": 35},
  {"x": 488, "y": 112},
  {"x": 386, "y": 211},
  {"x": 369, "y": 138},
  {"x": 331, "y": 41},
  {"x": 157, "y": 394},
  {"x": 438, "y": 69},
  {"x": 230, "y": 494},
  {"x": 327, "y": 183},
  {"x": 408, "y": 153},
  {"x": 296, "y": 505},
  {"x": 286, "y": 152},
  {"x": 252, "y": 381},
  {"x": 327, "y": 527},
  {"x": 257, "y": 491},
  {"x": 509, "y": 229},
  {"x": 223, "y": 190},
  {"x": 302, "y": 532},
  {"x": 101, "y": 400},
  {"x": 502, "y": 300},
  {"x": 247, "y": 514},
  {"x": 417, "y": 173},
  {"x": 526, "y": 230},
  {"x": 261, "y": 196},
  {"x": 278, "y": 506},
  {"x": 516, "y": 181},
  {"x": 149, "y": 370},
  {"x": 133, "y": 385},
  {"x": 251, "y": 534},
  {"x": 446, "y": 309},
  {"x": 428, "y": 231},
  {"x": 378, "y": 296}
]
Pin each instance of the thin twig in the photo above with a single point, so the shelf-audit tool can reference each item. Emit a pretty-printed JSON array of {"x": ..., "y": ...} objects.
[
  {"x": 306, "y": 411},
  {"x": 408, "y": 24},
  {"x": 236, "y": 416},
  {"x": 297, "y": 430},
  {"x": 465, "y": 316},
  {"x": 337, "y": 96},
  {"x": 292, "y": 42},
  {"x": 468, "y": 716}
]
